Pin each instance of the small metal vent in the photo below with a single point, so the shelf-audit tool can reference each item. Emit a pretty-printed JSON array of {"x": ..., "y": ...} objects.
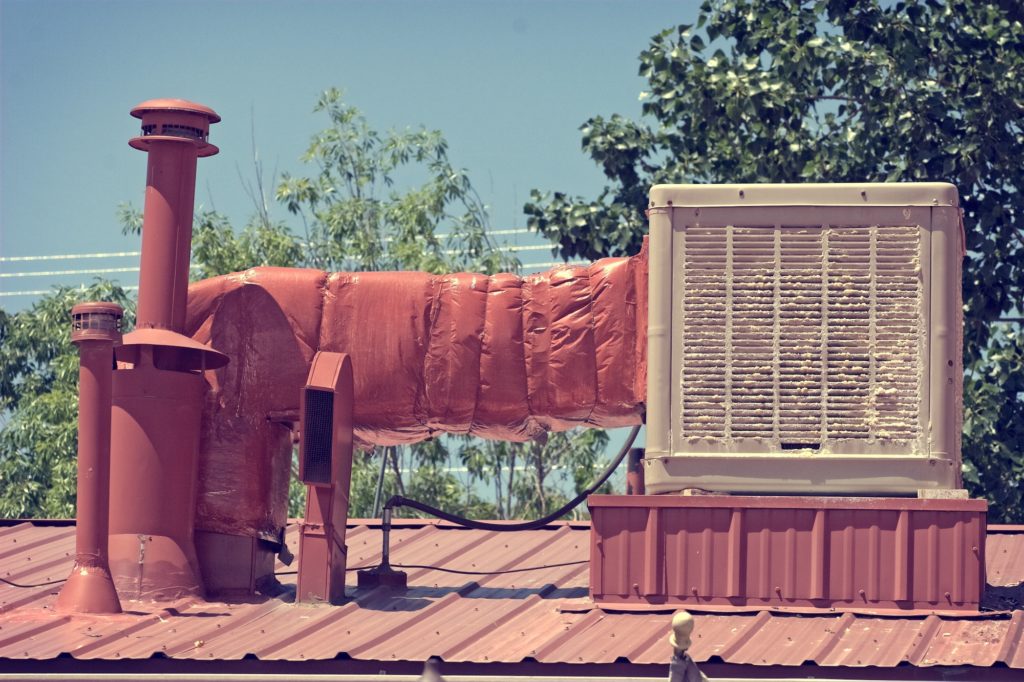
[
  {"x": 802, "y": 337},
  {"x": 173, "y": 130},
  {"x": 317, "y": 435}
]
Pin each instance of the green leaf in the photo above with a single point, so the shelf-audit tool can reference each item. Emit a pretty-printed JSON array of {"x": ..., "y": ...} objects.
[{"x": 854, "y": 92}]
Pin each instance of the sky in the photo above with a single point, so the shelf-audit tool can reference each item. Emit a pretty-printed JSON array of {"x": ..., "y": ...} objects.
[{"x": 508, "y": 83}]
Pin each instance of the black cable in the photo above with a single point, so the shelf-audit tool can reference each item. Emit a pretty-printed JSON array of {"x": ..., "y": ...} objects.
[
  {"x": 461, "y": 571},
  {"x": 507, "y": 570},
  {"x": 399, "y": 501},
  {"x": 14, "y": 584}
]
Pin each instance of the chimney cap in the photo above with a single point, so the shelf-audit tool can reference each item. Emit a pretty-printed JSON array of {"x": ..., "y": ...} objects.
[
  {"x": 96, "y": 321},
  {"x": 182, "y": 105}
]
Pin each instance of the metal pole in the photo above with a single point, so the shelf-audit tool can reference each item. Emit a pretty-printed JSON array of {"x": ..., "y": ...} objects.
[{"x": 380, "y": 482}]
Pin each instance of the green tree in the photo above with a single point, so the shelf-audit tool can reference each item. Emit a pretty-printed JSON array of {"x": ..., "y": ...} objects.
[
  {"x": 531, "y": 479},
  {"x": 355, "y": 218},
  {"x": 39, "y": 402},
  {"x": 386, "y": 201},
  {"x": 834, "y": 91}
]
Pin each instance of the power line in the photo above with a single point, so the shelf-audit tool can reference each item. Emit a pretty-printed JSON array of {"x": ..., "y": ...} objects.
[
  {"x": 127, "y": 254},
  {"x": 525, "y": 267},
  {"x": 513, "y": 248},
  {"x": 43, "y": 292},
  {"x": 57, "y": 273},
  {"x": 70, "y": 256},
  {"x": 555, "y": 264}
]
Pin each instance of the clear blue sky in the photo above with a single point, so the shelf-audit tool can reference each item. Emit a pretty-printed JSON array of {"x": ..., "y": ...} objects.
[{"x": 508, "y": 83}]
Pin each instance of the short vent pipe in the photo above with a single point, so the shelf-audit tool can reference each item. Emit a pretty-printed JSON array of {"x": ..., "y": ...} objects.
[{"x": 96, "y": 329}]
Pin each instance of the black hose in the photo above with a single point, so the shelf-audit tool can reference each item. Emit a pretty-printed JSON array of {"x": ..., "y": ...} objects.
[{"x": 399, "y": 501}]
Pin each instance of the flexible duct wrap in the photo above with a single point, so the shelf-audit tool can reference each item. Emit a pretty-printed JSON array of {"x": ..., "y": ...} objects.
[{"x": 500, "y": 357}]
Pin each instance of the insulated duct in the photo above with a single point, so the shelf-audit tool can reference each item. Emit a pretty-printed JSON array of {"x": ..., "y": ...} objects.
[{"x": 499, "y": 356}]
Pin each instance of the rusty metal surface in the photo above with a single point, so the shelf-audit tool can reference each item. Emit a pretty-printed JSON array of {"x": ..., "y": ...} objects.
[{"x": 530, "y": 618}]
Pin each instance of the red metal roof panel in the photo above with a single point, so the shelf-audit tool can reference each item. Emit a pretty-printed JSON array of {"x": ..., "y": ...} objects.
[
  {"x": 542, "y": 616},
  {"x": 1004, "y": 558}
]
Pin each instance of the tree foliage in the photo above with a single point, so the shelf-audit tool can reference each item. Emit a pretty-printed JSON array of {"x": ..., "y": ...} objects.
[
  {"x": 354, "y": 216},
  {"x": 390, "y": 200},
  {"x": 531, "y": 480},
  {"x": 39, "y": 402},
  {"x": 842, "y": 91}
]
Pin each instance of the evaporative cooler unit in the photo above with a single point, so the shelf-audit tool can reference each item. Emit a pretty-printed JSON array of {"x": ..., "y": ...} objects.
[
  {"x": 804, "y": 347},
  {"x": 805, "y": 338}
]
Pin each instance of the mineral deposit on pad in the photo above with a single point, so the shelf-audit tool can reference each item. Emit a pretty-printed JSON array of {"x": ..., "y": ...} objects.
[{"x": 817, "y": 328}]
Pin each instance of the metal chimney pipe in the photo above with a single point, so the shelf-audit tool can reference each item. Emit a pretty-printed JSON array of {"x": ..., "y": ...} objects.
[
  {"x": 158, "y": 393},
  {"x": 96, "y": 329},
  {"x": 174, "y": 133}
]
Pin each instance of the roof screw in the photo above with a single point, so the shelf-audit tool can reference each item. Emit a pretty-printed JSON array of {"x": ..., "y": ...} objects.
[
  {"x": 864, "y": 195},
  {"x": 742, "y": 194}
]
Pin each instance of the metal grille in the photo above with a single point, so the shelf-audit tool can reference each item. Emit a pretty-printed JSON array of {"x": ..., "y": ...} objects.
[
  {"x": 801, "y": 337},
  {"x": 317, "y": 436}
]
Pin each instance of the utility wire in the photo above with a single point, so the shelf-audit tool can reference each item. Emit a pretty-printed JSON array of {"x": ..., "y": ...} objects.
[
  {"x": 502, "y": 572},
  {"x": 399, "y": 501},
  {"x": 57, "y": 273},
  {"x": 14, "y": 584},
  {"x": 525, "y": 268},
  {"x": 43, "y": 292},
  {"x": 460, "y": 571},
  {"x": 70, "y": 256},
  {"x": 127, "y": 254}
]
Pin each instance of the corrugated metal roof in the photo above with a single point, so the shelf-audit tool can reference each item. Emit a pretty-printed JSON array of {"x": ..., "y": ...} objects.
[{"x": 531, "y": 617}]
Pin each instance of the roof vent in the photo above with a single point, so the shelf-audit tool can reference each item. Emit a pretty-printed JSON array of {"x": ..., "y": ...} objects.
[
  {"x": 325, "y": 466},
  {"x": 805, "y": 338}
]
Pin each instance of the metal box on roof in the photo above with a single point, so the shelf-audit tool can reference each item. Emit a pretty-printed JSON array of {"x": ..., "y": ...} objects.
[
  {"x": 822, "y": 552},
  {"x": 804, "y": 338}
]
